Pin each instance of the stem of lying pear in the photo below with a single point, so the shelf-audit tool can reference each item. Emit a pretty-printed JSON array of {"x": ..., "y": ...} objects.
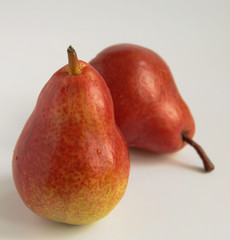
[
  {"x": 208, "y": 165},
  {"x": 74, "y": 67}
]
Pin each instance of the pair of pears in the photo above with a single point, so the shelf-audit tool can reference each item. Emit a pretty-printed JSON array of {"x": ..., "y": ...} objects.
[{"x": 71, "y": 162}]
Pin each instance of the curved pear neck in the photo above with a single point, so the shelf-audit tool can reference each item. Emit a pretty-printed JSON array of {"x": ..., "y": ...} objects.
[
  {"x": 208, "y": 165},
  {"x": 74, "y": 66}
]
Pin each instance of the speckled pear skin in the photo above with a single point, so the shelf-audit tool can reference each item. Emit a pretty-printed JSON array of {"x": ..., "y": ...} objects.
[
  {"x": 71, "y": 163},
  {"x": 148, "y": 107}
]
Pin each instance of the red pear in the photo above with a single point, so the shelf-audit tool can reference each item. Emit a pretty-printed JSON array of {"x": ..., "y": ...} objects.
[
  {"x": 71, "y": 163},
  {"x": 148, "y": 107}
]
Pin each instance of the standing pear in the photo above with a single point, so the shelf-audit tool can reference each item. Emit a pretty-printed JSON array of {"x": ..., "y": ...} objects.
[{"x": 71, "y": 162}]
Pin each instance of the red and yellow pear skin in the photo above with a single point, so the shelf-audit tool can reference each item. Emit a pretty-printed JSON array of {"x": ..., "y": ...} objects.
[
  {"x": 148, "y": 107},
  {"x": 71, "y": 163}
]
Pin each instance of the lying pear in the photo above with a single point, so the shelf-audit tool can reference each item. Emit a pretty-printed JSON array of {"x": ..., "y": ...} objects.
[
  {"x": 148, "y": 107},
  {"x": 71, "y": 163}
]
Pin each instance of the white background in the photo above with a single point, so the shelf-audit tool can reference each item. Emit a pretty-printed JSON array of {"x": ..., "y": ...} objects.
[{"x": 168, "y": 196}]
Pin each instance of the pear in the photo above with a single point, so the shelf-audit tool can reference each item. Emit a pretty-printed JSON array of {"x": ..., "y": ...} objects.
[
  {"x": 148, "y": 107},
  {"x": 71, "y": 162}
]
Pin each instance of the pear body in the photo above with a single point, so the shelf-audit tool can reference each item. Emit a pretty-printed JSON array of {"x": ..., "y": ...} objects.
[
  {"x": 148, "y": 107},
  {"x": 71, "y": 162}
]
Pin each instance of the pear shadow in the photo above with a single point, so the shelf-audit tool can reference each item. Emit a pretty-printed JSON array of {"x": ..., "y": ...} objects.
[
  {"x": 18, "y": 222},
  {"x": 141, "y": 158}
]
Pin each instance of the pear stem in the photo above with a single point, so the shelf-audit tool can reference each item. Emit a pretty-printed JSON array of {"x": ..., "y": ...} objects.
[
  {"x": 208, "y": 165},
  {"x": 74, "y": 67}
]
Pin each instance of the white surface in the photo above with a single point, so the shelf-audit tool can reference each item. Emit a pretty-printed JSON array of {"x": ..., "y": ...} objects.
[{"x": 168, "y": 197}]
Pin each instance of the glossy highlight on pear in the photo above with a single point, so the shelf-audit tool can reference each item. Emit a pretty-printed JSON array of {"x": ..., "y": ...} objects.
[
  {"x": 71, "y": 162},
  {"x": 149, "y": 109}
]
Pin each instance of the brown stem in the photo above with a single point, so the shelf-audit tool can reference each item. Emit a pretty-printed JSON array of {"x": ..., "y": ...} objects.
[
  {"x": 74, "y": 67},
  {"x": 208, "y": 165}
]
